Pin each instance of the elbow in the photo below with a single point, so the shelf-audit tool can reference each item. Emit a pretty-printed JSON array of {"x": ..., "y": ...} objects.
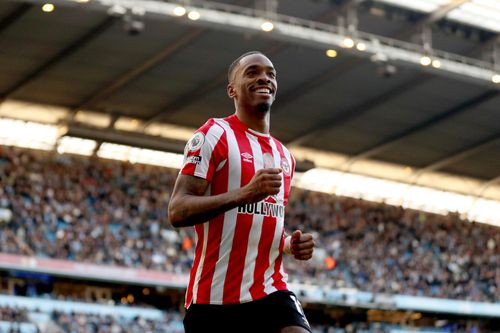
[{"x": 174, "y": 215}]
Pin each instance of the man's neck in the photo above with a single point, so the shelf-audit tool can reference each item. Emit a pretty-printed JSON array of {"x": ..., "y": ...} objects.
[{"x": 256, "y": 120}]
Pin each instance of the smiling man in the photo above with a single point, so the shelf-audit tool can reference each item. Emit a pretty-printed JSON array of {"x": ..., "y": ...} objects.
[{"x": 233, "y": 188}]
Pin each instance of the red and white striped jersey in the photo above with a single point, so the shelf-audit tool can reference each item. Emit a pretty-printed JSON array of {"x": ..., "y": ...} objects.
[{"x": 238, "y": 254}]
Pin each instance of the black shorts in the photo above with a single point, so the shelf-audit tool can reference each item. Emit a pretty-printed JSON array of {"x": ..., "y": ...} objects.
[{"x": 266, "y": 315}]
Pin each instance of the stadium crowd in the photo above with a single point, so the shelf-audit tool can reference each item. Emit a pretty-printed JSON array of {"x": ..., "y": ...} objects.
[
  {"x": 387, "y": 249},
  {"x": 93, "y": 323},
  {"x": 80, "y": 322},
  {"x": 171, "y": 322},
  {"x": 114, "y": 213},
  {"x": 13, "y": 314},
  {"x": 98, "y": 323}
]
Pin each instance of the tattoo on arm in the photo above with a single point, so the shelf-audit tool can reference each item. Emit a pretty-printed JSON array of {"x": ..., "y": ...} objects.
[
  {"x": 189, "y": 205},
  {"x": 194, "y": 185}
]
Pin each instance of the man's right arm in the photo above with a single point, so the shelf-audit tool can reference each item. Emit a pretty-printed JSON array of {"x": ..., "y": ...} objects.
[{"x": 189, "y": 205}]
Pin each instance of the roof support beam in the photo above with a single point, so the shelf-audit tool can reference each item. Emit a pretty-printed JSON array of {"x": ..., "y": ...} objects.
[
  {"x": 187, "y": 98},
  {"x": 435, "y": 16},
  {"x": 339, "y": 10},
  {"x": 442, "y": 11},
  {"x": 104, "y": 92},
  {"x": 354, "y": 112},
  {"x": 221, "y": 78},
  {"x": 124, "y": 138},
  {"x": 311, "y": 83},
  {"x": 389, "y": 142},
  {"x": 462, "y": 154},
  {"x": 15, "y": 15},
  {"x": 199, "y": 91},
  {"x": 487, "y": 185},
  {"x": 67, "y": 51},
  {"x": 120, "y": 82}
]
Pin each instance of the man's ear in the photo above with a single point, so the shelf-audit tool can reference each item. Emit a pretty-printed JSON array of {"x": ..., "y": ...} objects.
[{"x": 231, "y": 92}]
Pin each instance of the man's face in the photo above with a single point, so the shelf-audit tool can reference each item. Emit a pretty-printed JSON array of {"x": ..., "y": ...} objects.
[{"x": 254, "y": 83}]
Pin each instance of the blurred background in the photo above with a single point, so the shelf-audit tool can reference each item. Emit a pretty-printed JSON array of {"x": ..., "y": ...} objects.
[{"x": 390, "y": 107}]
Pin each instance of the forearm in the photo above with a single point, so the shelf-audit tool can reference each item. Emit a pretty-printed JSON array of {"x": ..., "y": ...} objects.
[
  {"x": 187, "y": 210},
  {"x": 189, "y": 205}
]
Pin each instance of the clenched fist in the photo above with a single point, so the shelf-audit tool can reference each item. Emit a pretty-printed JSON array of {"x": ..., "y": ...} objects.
[
  {"x": 264, "y": 183},
  {"x": 300, "y": 245}
]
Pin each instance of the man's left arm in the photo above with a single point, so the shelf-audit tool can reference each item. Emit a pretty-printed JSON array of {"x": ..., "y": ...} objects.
[{"x": 300, "y": 245}]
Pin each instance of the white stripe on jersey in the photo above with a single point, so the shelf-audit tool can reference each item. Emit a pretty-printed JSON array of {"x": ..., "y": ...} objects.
[
  {"x": 212, "y": 138},
  {"x": 202, "y": 261},
  {"x": 277, "y": 163},
  {"x": 289, "y": 158},
  {"x": 291, "y": 163},
  {"x": 234, "y": 182},
  {"x": 268, "y": 282},
  {"x": 255, "y": 231}
]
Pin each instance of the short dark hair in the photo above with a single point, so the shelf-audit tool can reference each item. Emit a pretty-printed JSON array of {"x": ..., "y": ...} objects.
[{"x": 235, "y": 63}]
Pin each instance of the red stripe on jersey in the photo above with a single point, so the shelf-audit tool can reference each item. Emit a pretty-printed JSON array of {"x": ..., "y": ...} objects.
[
  {"x": 198, "y": 250},
  {"x": 220, "y": 149},
  {"x": 266, "y": 240},
  {"x": 189, "y": 168},
  {"x": 236, "y": 264},
  {"x": 219, "y": 185},
  {"x": 262, "y": 260},
  {"x": 277, "y": 276},
  {"x": 211, "y": 257}
]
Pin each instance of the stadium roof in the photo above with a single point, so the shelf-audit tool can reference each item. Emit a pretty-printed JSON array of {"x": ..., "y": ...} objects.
[{"x": 134, "y": 65}]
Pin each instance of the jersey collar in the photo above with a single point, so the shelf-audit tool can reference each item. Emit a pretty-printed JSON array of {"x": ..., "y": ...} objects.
[{"x": 236, "y": 123}]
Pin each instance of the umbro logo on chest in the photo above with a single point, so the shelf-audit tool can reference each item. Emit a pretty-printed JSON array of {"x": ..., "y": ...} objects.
[{"x": 247, "y": 157}]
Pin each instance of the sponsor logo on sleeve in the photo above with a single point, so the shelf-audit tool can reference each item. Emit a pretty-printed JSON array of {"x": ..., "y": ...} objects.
[{"x": 195, "y": 159}]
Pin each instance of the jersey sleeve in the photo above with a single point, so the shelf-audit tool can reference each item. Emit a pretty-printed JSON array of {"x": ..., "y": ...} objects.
[{"x": 204, "y": 151}]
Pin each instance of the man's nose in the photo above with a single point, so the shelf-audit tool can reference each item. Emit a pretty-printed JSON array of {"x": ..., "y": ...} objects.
[{"x": 263, "y": 78}]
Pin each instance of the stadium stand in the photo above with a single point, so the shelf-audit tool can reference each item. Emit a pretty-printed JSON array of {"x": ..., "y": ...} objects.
[
  {"x": 40, "y": 316},
  {"x": 100, "y": 212},
  {"x": 95, "y": 323},
  {"x": 112, "y": 213},
  {"x": 393, "y": 91},
  {"x": 387, "y": 249}
]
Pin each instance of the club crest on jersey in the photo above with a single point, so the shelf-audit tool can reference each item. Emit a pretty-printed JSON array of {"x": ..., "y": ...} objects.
[
  {"x": 285, "y": 166},
  {"x": 196, "y": 141}
]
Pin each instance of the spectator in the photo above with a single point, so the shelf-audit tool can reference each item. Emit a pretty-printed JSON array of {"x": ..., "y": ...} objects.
[{"x": 114, "y": 213}]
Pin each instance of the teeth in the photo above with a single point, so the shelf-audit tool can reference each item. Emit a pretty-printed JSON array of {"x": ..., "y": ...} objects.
[{"x": 266, "y": 91}]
